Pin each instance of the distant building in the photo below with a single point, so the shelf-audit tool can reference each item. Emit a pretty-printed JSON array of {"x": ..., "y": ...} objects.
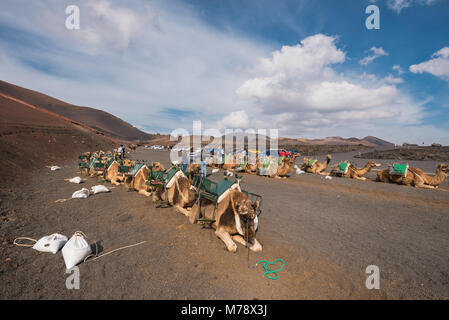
[
  {"x": 436, "y": 145},
  {"x": 405, "y": 144}
]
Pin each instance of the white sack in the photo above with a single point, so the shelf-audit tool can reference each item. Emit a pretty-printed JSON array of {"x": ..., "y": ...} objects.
[
  {"x": 53, "y": 168},
  {"x": 51, "y": 243},
  {"x": 75, "y": 250},
  {"x": 81, "y": 194},
  {"x": 76, "y": 180},
  {"x": 99, "y": 189},
  {"x": 215, "y": 170}
]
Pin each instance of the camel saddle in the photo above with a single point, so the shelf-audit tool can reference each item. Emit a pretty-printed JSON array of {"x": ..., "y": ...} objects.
[
  {"x": 343, "y": 167},
  {"x": 311, "y": 162},
  {"x": 399, "y": 169}
]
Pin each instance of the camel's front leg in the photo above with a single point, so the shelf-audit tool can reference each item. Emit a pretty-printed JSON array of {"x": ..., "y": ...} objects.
[
  {"x": 323, "y": 173},
  {"x": 256, "y": 246},
  {"x": 359, "y": 178},
  {"x": 144, "y": 192},
  {"x": 115, "y": 182},
  {"x": 419, "y": 183},
  {"x": 226, "y": 238},
  {"x": 184, "y": 211}
]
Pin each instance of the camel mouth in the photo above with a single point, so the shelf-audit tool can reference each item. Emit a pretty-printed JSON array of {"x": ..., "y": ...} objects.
[{"x": 377, "y": 164}]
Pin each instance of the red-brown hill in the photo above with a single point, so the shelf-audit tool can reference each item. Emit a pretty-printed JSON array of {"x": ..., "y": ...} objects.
[{"x": 99, "y": 120}]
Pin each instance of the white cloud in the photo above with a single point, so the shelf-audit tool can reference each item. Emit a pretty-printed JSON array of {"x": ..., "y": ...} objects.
[
  {"x": 297, "y": 91},
  {"x": 438, "y": 66},
  {"x": 398, "y": 69},
  {"x": 393, "y": 80},
  {"x": 377, "y": 52},
  {"x": 398, "y": 5},
  {"x": 236, "y": 119}
]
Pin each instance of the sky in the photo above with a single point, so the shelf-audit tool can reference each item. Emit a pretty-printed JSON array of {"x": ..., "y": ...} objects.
[{"x": 307, "y": 68}]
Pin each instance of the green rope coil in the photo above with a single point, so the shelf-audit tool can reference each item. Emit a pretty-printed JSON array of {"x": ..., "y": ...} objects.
[{"x": 267, "y": 270}]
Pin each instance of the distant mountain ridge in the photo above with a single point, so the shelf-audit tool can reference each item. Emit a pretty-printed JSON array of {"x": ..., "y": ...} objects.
[{"x": 99, "y": 120}]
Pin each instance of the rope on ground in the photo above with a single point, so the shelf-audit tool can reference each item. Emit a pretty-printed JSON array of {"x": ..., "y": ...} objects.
[
  {"x": 23, "y": 244},
  {"x": 267, "y": 270},
  {"x": 105, "y": 254}
]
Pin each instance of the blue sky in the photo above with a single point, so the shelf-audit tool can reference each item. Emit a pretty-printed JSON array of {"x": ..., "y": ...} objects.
[{"x": 309, "y": 68}]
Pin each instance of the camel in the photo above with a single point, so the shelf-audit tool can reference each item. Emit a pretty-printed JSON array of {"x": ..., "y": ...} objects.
[
  {"x": 98, "y": 171},
  {"x": 235, "y": 219},
  {"x": 138, "y": 181},
  {"x": 113, "y": 175},
  {"x": 132, "y": 147},
  {"x": 179, "y": 193},
  {"x": 352, "y": 171},
  {"x": 253, "y": 168},
  {"x": 416, "y": 177},
  {"x": 193, "y": 169},
  {"x": 229, "y": 165},
  {"x": 285, "y": 167},
  {"x": 316, "y": 166}
]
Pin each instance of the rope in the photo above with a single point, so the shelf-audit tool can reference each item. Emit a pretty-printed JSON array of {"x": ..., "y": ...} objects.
[
  {"x": 62, "y": 200},
  {"x": 85, "y": 236},
  {"x": 24, "y": 245},
  {"x": 105, "y": 254},
  {"x": 267, "y": 271}
]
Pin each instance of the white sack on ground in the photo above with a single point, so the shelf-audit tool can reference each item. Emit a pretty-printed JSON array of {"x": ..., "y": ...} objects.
[
  {"x": 53, "y": 168},
  {"x": 51, "y": 243},
  {"x": 76, "y": 180},
  {"x": 99, "y": 189},
  {"x": 81, "y": 194},
  {"x": 75, "y": 250}
]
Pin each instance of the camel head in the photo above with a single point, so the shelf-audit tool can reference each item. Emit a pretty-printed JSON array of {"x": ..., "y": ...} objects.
[
  {"x": 371, "y": 163},
  {"x": 246, "y": 211},
  {"x": 157, "y": 166},
  {"x": 295, "y": 155},
  {"x": 443, "y": 167},
  {"x": 193, "y": 168}
]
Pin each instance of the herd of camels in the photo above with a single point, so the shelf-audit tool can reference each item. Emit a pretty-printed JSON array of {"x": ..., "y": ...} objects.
[
  {"x": 234, "y": 213},
  {"x": 410, "y": 177}
]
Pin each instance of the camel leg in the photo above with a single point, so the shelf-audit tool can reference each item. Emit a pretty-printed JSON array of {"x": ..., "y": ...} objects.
[
  {"x": 226, "y": 238},
  {"x": 256, "y": 246},
  {"x": 419, "y": 183},
  {"x": 144, "y": 192},
  {"x": 359, "y": 178},
  {"x": 184, "y": 211},
  {"x": 323, "y": 173},
  {"x": 193, "y": 213},
  {"x": 115, "y": 182}
]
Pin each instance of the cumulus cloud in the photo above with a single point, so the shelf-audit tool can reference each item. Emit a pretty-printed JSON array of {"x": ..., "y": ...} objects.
[
  {"x": 236, "y": 119},
  {"x": 438, "y": 66},
  {"x": 376, "y": 53},
  {"x": 298, "y": 90}
]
